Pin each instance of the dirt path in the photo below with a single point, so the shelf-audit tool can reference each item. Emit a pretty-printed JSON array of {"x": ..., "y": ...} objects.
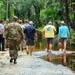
[{"x": 30, "y": 65}]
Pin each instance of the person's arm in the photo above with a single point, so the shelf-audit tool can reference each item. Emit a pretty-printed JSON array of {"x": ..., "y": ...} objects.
[
  {"x": 24, "y": 36},
  {"x": 68, "y": 33},
  {"x": 36, "y": 37},
  {"x": 54, "y": 30},
  {"x": 3, "y": 31},
  {"x": 43, "y": 34}
]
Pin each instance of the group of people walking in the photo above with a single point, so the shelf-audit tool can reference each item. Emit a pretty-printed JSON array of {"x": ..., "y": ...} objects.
[
  {"x": 17, "y": 34},
  {"x": 49, "y": 33}
]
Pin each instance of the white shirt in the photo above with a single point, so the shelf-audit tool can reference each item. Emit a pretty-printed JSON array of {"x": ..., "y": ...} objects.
[{"x": 1, "y": 28}]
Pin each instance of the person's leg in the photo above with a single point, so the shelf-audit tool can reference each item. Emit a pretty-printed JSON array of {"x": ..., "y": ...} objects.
[
  {"x": 47, "y": 46},
  {"x": 64, "y": 44},
  {"x": 50, "y": 47},
  {"x": 16, "y": 47},
  {"x": 3, "y": 44},
  {"x": 31, "y": 49},
  {"x": 31, "y": 46},
  {"x": 0, "y": 42},
  {"x": 27, "y": 46},
  {"x": 15, "y": 56},
  {"x": 51, "y": 40},
  {"x": 27, "y": 49},
  {"x": 11, "y": 50},
  {"x": 0, "y": 46}
]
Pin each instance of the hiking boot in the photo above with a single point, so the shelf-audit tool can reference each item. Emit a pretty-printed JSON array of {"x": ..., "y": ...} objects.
[
  {"x": 11, "y": 60},
  {"x": 22, "y": 49},
  {"x": 15, "y": 61}
]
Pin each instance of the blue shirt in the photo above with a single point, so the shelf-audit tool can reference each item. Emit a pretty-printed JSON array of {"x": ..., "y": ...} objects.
[
  {"x": 29, "y": 31},
  {"x": 1, "y": 28},
  {"x": 63, "y": 32}
]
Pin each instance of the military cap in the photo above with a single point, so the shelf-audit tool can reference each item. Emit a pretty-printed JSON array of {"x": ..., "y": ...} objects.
[
  {"x": 15, "y": 18},
  {"x": 20, "y": 20},
  {"x": 26, "y": 20}
]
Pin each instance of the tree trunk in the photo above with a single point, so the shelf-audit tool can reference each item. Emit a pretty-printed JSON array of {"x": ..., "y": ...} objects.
[{"x": 67, "y": 12}]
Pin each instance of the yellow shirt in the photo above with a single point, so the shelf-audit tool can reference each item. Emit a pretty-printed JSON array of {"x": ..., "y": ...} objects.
[{"x": 49, "y": 31}]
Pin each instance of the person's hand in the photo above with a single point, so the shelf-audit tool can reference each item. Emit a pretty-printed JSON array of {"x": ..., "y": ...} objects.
[
  {"x": 43, "y": 37},
  {"x": 23, "y": 40},
  {"x": 36, "y": 39},
  {"x": 3, "y": 36}
]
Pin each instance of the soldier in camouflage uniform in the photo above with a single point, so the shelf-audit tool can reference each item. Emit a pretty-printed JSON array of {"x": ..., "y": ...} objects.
[
  {"x": 22, "y": 44},
  {"x": 14, "y": 36},
  {"x": 5, "y": 26}
]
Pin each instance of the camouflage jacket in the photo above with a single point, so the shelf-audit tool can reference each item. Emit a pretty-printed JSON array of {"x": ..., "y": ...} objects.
[{"x": 14, "y": 32}]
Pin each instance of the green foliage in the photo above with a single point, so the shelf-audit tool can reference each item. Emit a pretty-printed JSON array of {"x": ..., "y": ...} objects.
[
  {"x": 48, "y": 14},
  {"x": 40, "y": 29},
  {"x": 72, "y": 36},
  {"x": 2, "y": 10},
  {"x": 73, "y": 3}
]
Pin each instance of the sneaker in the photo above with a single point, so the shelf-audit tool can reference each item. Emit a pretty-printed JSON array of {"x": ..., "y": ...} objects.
[
  {"x": 27, "y": 52},
  {"x": 50, "y": 51},
  {"x": 46, "y": 49},
  {"x": 60, "y": 49},
  {"x": 64, "y": 50}
]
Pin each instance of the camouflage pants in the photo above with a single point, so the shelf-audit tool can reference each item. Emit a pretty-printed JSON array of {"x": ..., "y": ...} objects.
[
  {"x": 22, "y": 45},
  {"x": 13, "y": 48}
]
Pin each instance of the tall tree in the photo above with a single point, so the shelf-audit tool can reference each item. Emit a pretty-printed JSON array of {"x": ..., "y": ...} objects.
[{"x": 73, "y": 5}]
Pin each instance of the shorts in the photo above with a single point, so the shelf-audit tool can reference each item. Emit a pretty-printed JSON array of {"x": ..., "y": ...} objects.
[
  {"x": 29, "y": 42},
  {"x": 63, "y": 39},
  {"x": 50, "y": 40}
]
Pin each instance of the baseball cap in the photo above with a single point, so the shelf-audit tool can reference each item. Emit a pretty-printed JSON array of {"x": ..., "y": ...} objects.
[
  {"x": 62, "y": 22},
  {"x": 49, "y": 22},
  {"x": 31, "y": 22}
]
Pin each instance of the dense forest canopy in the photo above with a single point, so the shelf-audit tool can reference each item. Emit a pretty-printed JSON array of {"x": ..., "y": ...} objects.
[{"x": 40, "y": 11}]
